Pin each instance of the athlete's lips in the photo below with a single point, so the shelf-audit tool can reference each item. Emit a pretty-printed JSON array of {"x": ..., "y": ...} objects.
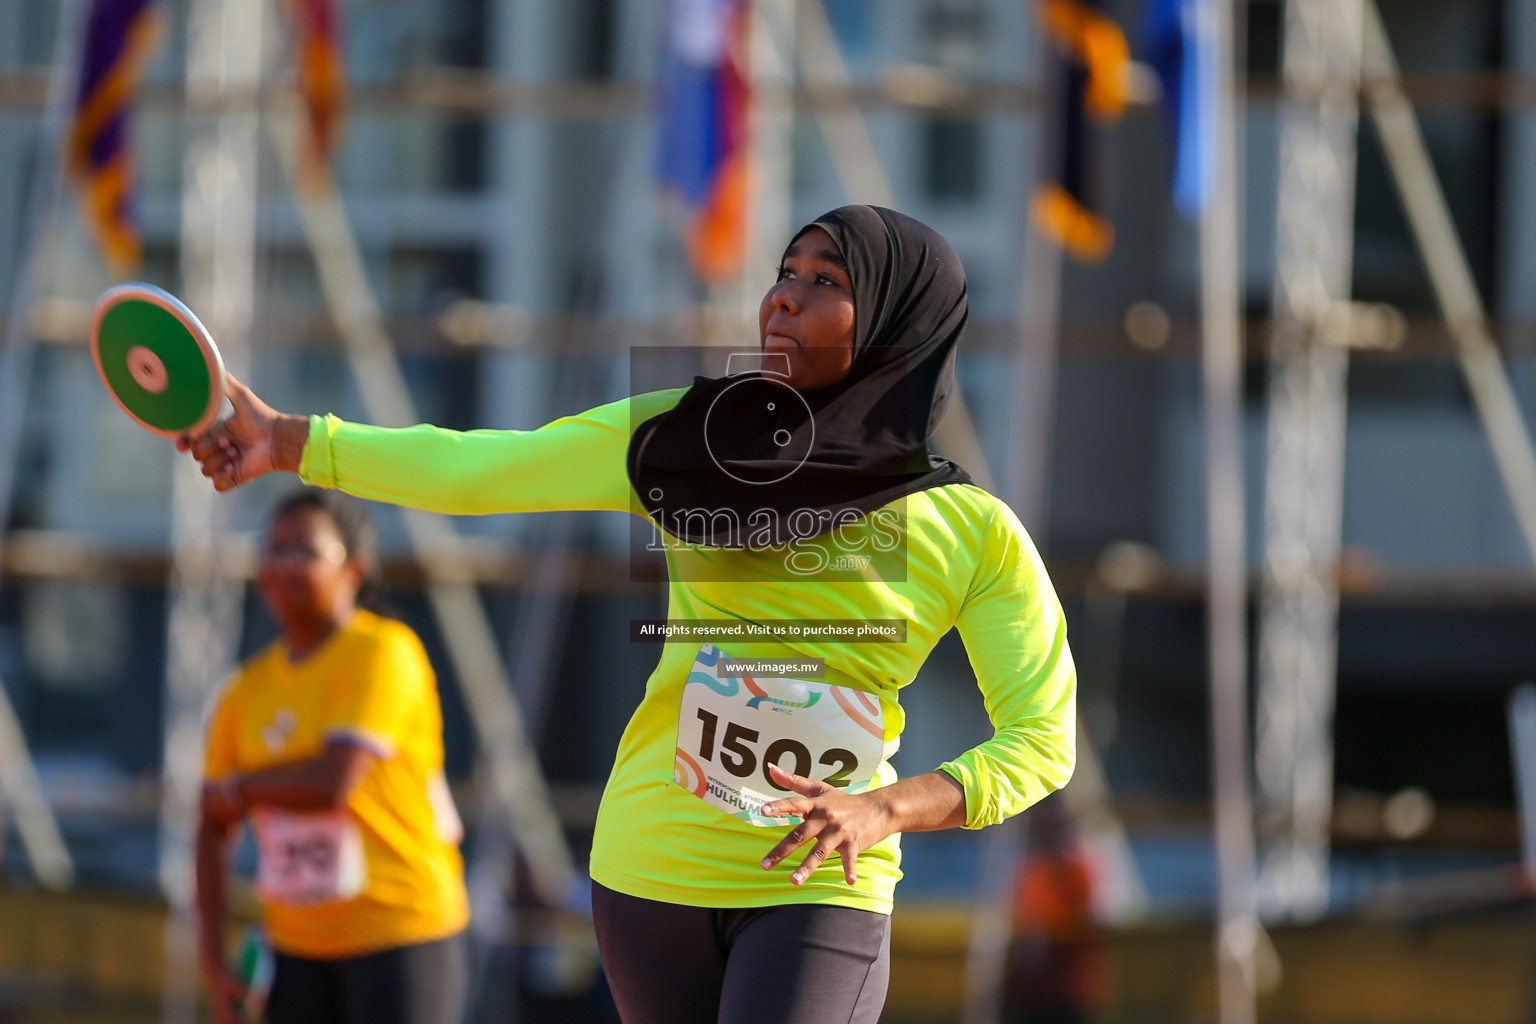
[{"x": 775, "y": 340}]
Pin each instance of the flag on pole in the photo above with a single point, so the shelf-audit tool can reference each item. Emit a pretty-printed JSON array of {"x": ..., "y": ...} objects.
[
  {"x": 320, "y": 66},
  {"x": 705, "y": 109},
  {"x": 1086, "y": 94},
  {"x": 1180, "y": 49},
  {"x": 119, "y": 38}
]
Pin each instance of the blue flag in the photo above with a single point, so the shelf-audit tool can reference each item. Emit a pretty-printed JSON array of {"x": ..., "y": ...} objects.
[
  {"x": 1179, "y": 44},
  {"x": 704, "y": 109}
]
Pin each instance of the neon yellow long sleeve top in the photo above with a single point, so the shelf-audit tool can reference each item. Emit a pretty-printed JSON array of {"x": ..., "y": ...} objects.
[{"x": 969, "y": 565}]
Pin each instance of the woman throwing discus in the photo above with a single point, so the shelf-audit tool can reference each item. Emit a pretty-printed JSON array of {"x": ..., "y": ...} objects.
[
  {"x": 746, "y": 852},
  {"x": 330, "y": 743}
]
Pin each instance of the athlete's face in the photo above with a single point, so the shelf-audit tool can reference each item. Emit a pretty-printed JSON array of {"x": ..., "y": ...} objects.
[
  {"x": 808, "y": 313},
  {"x": 306, "y": 577}
]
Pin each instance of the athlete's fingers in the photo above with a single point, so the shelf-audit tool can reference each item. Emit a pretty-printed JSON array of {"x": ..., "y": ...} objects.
[
  {"x": 812, "y": 861},
  {"x": 238, "y": 394},
  {"x": 797, "y": 783},
  {"x": 803, "y": 833},
  {"x": 789, "y": 807},
  {"x": 236, "y": 384},
  {"x": 187, "y": 442},
  {"x": 216, "y": 463},
  {"x": 850, "y": 863},
  {"x": 214, "y": 448},
  {"x": 227, "y": 478},
  {"x": 205, "y": 445}
]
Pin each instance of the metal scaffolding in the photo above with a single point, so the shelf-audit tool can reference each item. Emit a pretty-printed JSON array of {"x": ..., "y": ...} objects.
[
  {"x": 1331, "y": 47},
  {"x": 218, "y": 261},
  {"x": 19, "y": 783},
  {"x": 218, "y": 272},
  {"x": 1304, "y": 484}
]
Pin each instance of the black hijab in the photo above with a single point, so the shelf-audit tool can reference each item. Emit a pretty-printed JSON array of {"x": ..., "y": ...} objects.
[{"x": 745, "y": 461}]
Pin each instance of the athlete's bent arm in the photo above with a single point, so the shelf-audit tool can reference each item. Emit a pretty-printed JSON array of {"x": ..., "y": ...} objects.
[
  {"x": 847, "y": 824},
  {"x": 215, "y": 836},
  {"x": 1016, "y": 639},
  {"x": 319, "y": 783}
]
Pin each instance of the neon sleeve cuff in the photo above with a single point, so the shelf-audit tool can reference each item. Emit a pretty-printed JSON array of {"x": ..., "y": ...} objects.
[
  {"x": 1000, "y": 782},
  {"x": 975, "y": 785},
  {"x": 316, "y": 466}
]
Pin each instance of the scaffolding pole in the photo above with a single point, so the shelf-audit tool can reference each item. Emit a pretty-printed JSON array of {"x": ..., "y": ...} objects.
[
  {"x": 35, "y": 822},
  {"x": 1237, "y": 935},
  {"x": 542, "y": 620},
  {"x": 1450, "y": 275},
  {"x": 218, "y": 272},
  {"x": 1304, "y": 486},
  {"x": 1028, "y": 425}
]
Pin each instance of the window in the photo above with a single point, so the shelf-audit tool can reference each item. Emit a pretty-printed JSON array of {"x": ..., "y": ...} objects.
[
  {"x": 951, "y": 159},
  {"x": 955, "y": 33}
]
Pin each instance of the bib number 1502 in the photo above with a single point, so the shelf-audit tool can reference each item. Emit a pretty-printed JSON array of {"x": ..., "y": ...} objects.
[{"x": 738, "y": 753}]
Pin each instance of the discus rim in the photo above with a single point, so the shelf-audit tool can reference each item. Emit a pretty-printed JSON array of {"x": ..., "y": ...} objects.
[{"x": 139, "y": 291}]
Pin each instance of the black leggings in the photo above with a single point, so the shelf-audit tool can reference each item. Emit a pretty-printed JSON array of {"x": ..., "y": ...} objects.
[
  {"x": 419, "y": 984},
  {"x": 795, "y": 964}
]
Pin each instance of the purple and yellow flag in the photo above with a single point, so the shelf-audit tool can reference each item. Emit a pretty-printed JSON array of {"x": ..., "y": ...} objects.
[
  {"x": 1087, "y": 94},
  {"x": 705, "y": 108},
  {"x": 119, "y": 38},
  {"x": 320, "y": 65}
]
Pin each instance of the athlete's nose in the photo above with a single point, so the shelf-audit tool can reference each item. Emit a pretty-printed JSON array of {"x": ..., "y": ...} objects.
[{"x": 785, "y": 297}]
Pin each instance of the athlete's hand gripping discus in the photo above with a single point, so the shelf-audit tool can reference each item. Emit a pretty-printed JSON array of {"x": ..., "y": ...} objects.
[{"x": 157, "y": 360}]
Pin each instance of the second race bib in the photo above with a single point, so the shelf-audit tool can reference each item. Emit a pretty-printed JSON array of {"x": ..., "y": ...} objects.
[
  {"x": 309, "y": 859},
  {"x": 730, "y": 729}
]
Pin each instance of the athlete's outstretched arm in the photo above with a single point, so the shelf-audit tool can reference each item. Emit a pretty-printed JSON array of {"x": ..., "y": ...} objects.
[{"x": 576, "y": 462}]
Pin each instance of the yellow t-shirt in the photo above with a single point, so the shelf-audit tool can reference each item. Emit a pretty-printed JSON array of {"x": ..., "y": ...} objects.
[{"x": 371, "y": 684}]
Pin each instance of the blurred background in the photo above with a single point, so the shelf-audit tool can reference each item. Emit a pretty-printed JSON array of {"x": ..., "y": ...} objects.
[{"x": 475, "y": 212}]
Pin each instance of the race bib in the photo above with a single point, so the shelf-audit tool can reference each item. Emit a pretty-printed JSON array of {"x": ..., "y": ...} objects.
[
  {"x": 309, "y": 859},
  {"x": 731, "y": 729}
]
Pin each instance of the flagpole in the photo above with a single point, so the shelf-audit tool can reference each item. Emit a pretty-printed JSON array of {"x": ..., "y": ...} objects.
[
  {"x": 1031, "y": 414},
  {"x": 1031, "y": 417},
  {"x": 1226, "y": 565},
  {"x": 1028, "y": 427},
  {"x": 770, "y": 136}
]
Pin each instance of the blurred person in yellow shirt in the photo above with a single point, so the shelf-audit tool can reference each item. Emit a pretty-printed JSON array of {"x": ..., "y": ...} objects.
[{"x": 330, "y": 743}]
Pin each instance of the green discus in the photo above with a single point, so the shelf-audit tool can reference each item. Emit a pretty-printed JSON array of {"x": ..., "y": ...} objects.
[
  {"x": 157, "y": 360},
  {"x": 255, "y": 965}
]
